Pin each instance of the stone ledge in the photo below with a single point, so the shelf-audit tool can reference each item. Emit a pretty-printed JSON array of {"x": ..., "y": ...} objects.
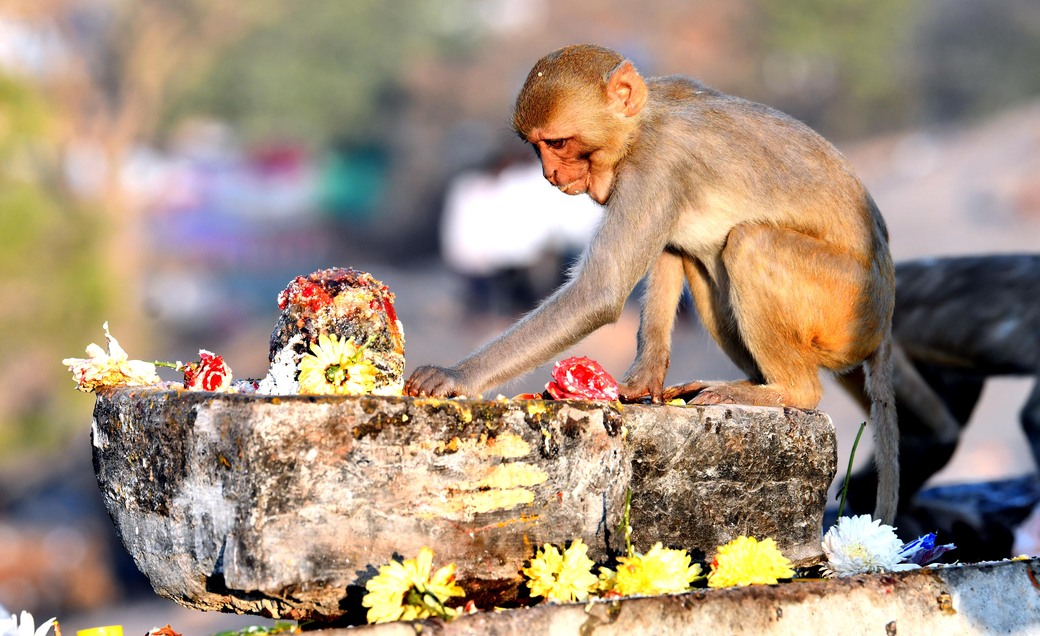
[
  {"x": 284, "y": 507},
  {"x": 966, "y": 600}
]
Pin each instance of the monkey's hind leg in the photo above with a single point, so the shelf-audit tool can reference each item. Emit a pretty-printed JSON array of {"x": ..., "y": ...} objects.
[{"x": 799, "y": 304}]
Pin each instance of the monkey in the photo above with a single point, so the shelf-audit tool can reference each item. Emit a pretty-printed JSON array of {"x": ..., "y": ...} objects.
[
  {"x": 784, "y": 251},
  {"x": 957, "y": 321}
]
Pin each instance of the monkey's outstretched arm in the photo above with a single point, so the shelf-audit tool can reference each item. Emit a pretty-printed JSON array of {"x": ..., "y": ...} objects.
[{"x": 611, "y": 266}]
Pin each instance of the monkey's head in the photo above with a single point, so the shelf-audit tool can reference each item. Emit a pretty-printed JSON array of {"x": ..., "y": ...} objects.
[{"x": 579, "y": 108}]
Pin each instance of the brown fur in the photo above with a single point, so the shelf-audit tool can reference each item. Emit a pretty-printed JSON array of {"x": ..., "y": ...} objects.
[{"x": 784, "y": 251}]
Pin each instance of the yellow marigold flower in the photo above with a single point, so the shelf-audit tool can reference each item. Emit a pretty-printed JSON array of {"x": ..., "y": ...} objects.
[
  {"x": 561, "y": 578},
  {"x": 405, "y": 590},
  {"x": 660, "y": 571},
  {"x": 337, "y": 367},
  {"x": 747, "y": 561},
  {"x": 112, "y": 368}
]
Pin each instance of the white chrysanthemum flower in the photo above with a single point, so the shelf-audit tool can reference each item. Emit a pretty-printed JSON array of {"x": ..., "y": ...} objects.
[
  {"x": 858, "y": 545},
  {"x": 281, "y": 376},
  {"x": 27, "y": 626}
]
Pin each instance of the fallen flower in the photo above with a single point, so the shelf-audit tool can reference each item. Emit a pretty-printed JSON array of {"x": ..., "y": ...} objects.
[
  {"x": 405, "y": 591},
  {"x": 336, "y": 367},
  {"x": 860, "y": 544},
  {"x": 922, "y": 550},
  {"x": 561, "y": 578},
  {"x": 210, "y": 373},
  {"x": 748, "y": 561},
  {"x": 107, "y": 369},
  {"x": 581, "y": 379},
  {"x": 660, "y": 571},
  {"x": 26, "y": 627}
]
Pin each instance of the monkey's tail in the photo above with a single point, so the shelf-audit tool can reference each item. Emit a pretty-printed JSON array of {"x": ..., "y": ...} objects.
[{"x": 878, "y": 372}]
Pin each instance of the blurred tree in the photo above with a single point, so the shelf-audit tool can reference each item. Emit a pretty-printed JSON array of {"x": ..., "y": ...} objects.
[
  {"x": 841, "y": 65},
  {"x": 977, "y": 57},
  {"x": 125, "y": 59},
  {"x": 332, "y": 71},
  {"x": 70, "y": 249},
  {"x": 50, "y": 279}
]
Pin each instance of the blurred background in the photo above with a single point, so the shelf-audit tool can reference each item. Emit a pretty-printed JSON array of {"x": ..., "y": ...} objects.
[{"x": 169, "y": 166}]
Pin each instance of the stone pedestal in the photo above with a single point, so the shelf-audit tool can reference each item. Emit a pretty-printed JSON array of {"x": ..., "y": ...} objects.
[{"x": 284, "y": 507}]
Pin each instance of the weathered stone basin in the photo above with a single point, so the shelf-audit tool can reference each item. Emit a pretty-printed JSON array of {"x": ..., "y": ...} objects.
[{"x": 284, "y": 507}]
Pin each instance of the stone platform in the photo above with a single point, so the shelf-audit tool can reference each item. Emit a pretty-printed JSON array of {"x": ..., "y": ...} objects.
[{"x": 284, "y": 507}]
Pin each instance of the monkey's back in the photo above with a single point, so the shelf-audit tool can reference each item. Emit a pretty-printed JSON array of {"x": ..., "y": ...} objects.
[
  {"x": 757, "y": 163},
  {"x": 773, "y": 162}
]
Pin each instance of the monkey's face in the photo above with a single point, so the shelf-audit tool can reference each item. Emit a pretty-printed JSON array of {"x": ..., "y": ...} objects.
[{"x": 573, "y": 162}]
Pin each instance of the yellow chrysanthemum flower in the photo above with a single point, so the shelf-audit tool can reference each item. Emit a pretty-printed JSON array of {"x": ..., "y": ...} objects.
[
  {"x": 561, "y": 578},
  {"x": 747, "y": 561},
  {"x": 660, "y": 571},
  {"x": 336, "y": 367},
  {"x": 405, "y": 590}
]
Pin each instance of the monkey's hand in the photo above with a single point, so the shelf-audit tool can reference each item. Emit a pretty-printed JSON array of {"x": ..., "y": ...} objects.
[
  {"x": 431, "y": 381},
  {"x": 637, "y": 387}
]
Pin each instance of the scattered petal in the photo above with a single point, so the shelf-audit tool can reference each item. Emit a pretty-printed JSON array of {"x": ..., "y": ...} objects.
[
  {"x": 923, "y": 550},
  {"x": 25, "y": 625}
]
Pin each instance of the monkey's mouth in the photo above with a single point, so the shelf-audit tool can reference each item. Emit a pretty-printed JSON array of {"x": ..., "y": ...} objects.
[{"x": 565, "y": 188}]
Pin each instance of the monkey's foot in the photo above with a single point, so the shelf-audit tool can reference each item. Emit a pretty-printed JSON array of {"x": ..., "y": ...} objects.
[
  {"x": 688, "y": 390},
  {"x": 738, "y": 393}
]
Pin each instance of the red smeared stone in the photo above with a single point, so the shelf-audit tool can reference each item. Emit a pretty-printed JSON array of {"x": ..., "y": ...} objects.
[{"x": 351, "y": 305}]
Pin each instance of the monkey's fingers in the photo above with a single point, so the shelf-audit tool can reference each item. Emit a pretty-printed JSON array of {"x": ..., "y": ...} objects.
[
  {"x": 638, "y": 393},
  {"x": 634, "y": 396},
  {"x": 430, "y": 381}
]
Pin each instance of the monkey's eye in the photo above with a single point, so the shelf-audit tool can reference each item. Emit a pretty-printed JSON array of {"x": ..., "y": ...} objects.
[{"x": 555, "y": 144}]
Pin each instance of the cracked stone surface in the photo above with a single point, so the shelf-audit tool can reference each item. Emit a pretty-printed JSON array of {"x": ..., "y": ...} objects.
[{"x": 284, "y": 507}]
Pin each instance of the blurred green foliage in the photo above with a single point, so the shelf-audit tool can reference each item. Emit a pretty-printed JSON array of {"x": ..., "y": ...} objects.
[
  {"x": 50, "y": 283},
  {"x": 328, "y": 72},
  {"x": 851, "y": 55},
  {"x": 856, "y": 67}
]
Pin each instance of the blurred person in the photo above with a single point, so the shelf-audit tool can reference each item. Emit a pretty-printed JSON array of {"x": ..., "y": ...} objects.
[
  {"x": 466, "y": 232},
  {"x": 509, "y": 236}
]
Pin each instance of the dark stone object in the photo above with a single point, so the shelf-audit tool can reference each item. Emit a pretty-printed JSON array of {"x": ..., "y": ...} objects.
[{"x": 286, "y": 506}]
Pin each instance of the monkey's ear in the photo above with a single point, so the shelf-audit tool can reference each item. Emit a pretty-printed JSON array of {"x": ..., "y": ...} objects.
[{"x": 626, "y": 90}]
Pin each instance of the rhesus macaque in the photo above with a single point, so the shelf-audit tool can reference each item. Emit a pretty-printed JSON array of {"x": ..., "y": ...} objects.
[
  {"x": 784, "y": 251},
  {"x": 957, "y": 321}
]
